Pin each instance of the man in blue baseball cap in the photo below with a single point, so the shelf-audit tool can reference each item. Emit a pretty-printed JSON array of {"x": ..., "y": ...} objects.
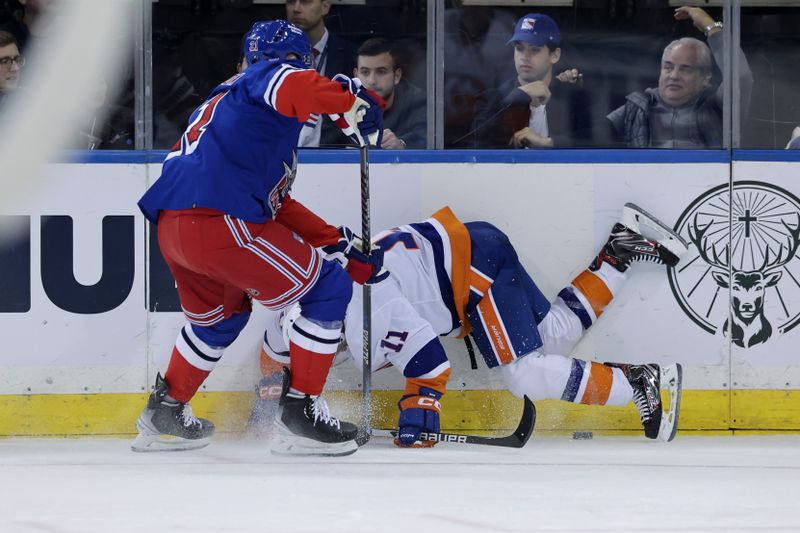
[
  {"x": 524, "y": 112},
  {"x": 536, "y": 29},
  {"x": 536, "y": 42}
]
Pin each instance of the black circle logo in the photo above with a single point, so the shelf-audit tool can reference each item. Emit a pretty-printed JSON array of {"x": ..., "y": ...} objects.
[{"x": 741, "y": 273}]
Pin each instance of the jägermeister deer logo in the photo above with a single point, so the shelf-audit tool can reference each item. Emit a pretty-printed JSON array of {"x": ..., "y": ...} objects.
[{"x": 741, "y": 274}]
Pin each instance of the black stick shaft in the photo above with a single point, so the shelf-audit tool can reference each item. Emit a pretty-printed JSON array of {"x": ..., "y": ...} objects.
[{"x": 366, "y": 413}]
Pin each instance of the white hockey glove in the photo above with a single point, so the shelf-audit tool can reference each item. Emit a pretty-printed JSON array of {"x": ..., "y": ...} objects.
[{"x": 364, "y": 120}]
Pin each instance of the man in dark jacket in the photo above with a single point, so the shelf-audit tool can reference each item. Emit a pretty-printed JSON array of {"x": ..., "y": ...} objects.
[
  {"x": 535, "y": 109},
  {"x": 405, "y": 115},
  {"x": 332, "y": 55},
  {"x": 684, "y": 111}
]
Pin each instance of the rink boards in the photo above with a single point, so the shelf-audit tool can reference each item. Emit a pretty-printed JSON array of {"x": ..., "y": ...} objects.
[{"x": 89, "y": 312}]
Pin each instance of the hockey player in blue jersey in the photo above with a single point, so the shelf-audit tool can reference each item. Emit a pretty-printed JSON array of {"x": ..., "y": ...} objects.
[
  {"x": 455, "y": 279},
  {"x": 230, "y": 232}
]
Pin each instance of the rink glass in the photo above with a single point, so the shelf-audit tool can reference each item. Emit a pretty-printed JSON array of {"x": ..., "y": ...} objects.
[{"x": 455, "y": 50}]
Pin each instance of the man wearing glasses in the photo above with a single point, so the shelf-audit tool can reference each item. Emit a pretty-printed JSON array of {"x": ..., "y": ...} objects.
[{"x": 10, "y": 64}]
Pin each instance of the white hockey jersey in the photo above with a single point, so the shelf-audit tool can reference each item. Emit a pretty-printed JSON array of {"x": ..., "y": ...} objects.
[{"x": 420, "y": 300}]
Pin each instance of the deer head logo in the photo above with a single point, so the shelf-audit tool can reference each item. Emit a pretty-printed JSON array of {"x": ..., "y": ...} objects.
[
  {"x": 742, "y": 275},
  {"x": 748, "y": 324}
]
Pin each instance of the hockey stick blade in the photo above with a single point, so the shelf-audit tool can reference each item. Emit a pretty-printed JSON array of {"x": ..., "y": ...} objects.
[{"x": 517, "y": 439}]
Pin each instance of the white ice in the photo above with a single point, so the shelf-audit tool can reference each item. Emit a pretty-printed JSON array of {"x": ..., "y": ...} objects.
[{"x": 742, "y": 483}]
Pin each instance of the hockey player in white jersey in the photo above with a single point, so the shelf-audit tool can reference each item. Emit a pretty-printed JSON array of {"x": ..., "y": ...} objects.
[{"x": 449, "y": 278}]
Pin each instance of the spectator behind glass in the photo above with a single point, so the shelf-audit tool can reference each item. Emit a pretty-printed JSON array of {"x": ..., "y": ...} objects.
[
  {"x": 405, "y": 115},
  {"x": 332, "y": 55},
  {"x": 104, "y": 126},
  {"x": 473, "y": 64},
  {"x": 11, "y": 63},
  {"x": 684, "y": 111},
  {"x": 26, "y": 24},
  {"x": 534, "y": 109}
]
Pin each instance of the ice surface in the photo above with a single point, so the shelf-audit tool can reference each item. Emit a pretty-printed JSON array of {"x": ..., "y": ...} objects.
[{"x": 743, "y": 483}]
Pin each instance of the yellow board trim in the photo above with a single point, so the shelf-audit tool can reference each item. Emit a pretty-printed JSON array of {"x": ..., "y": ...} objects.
[{"x": 473, "y": 410}]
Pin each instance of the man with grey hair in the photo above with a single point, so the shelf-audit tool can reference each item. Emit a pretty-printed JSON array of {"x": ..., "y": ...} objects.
[{"x": 684, "y": 111}]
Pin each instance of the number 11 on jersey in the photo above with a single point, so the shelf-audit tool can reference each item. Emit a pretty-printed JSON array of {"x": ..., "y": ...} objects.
[{"x": 396, "y": 345}]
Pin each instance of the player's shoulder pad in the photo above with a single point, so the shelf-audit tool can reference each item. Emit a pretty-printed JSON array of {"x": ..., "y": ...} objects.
[
  {"x": 268, "y": 68},
  {"x": 233, "y": 79},
  {"x": 269, "y": 79}
]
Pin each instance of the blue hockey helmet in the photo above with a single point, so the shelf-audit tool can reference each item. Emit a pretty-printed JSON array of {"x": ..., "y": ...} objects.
[{"x": 275, "y": 40}]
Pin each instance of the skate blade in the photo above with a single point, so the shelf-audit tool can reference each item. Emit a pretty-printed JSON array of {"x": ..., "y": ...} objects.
[
  {"x": 150, "y": 440},
  {"x": 634, "y": 217},
  {"x": 302, "y": 447},
  {"x": 166, "y": 443},
  {"x": 287, "y": 444},
  {"x": 672, "y": 379}
]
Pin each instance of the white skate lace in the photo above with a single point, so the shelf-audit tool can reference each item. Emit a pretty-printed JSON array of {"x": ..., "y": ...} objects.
[
  {"x": 647, "y": 258},
  {"x": 640, "y": 400},
  {"x": 187, "y": 417},
  {"x": 321, "y": 412}
]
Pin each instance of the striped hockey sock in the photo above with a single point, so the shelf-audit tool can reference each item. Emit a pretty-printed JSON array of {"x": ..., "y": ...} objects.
[
  {"x": 591, "y": 291},
  {"x": 312, "y": 349},
  {"x": 191, "y": 362},
  {"x": 593, "y": 383}
]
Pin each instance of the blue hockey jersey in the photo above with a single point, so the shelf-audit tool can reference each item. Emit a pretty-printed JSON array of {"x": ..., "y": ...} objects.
[{"x": 239, "y": 152}]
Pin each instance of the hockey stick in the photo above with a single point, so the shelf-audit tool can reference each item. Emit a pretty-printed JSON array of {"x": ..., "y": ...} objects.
[
  {"x": 364, "y": 432},
  {"x": 516, "y": 440},
  {"x": 366, "y": 387}
]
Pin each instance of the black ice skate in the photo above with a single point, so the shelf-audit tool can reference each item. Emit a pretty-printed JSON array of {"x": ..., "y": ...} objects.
[
  {"x": 627, "y": 244},
  {"x": 168, "y": 425},
  {"x": 305, "y": 427},
  {"x": 647, "y": 381}
]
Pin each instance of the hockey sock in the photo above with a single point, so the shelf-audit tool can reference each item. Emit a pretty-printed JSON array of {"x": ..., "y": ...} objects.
[
  {"x": 191, "y": 362},
  {"x": 593, "y": 383},
  {"x": 309, "y": 371},
  {"x": 269, "y": 365},
  {"x": 312, "y": 348},
  {"x": 611, "y": 277},
  {"x": 183, "y": 378},
  {"x": 621, "y": 390},
  {"x": 591, "y": 292}
]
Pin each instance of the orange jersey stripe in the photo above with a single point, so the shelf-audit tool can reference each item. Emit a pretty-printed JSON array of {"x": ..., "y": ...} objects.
[
  {"x": 594, "y": 289},
  {"x": 598, "y": 387},
  {"x": 494, "y": 328},
  {"x": 461, "y": 259},
  {"x": 438, "y": 383},
  {"x": 479, "y": 282}
]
